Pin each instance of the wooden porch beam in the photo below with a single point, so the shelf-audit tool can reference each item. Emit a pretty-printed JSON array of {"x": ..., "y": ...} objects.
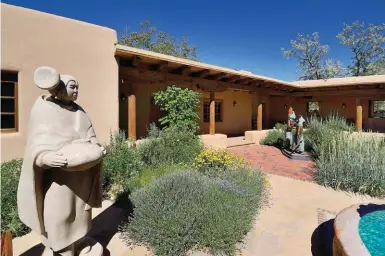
[
  {"x": 201, "y": 73},
  {"x": 183, "y": 70},
  {"x": 217, "y": 76},
  {"x": 244, "y": 81},
  {"x": 161, "y": 66},
  {"x": 233, "y": 79},
  {"x": 136, "y": 60}
]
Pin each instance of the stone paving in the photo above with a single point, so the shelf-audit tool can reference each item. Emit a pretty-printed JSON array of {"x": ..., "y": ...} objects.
[
  {"x": 288, "y": 225},
  {"x": 271, "y": 160}
]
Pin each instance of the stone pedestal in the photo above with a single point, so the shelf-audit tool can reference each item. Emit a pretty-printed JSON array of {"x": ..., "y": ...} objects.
[{"x": 296, "y": 156}]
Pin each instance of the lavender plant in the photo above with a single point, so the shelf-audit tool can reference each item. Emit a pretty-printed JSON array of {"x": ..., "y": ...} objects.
[{"x": 186, "y": 211}]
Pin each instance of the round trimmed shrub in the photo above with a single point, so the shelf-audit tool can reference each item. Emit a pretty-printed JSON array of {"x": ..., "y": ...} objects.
[{"x": 186, "y": 211}]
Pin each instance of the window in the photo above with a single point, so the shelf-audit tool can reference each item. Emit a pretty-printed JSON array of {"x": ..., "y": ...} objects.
[
  {"x": 313, "y": 108},
  {"x": 377, "y": 108},
  {"x": 9, "y": 108},
  {"x": 218, "y": 111}
]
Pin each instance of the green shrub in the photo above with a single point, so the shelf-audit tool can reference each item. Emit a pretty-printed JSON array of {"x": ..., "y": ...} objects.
[
  {"x": 148, "y": 174},
  {"x": 355, "y": 164},
  {"x": 186, "y": 210},
  {"x": 172, "y": 146},
  {"x": 181, "y": 107},
  {"x": 280, "y": 126},
  {"x": 10, "y": 173},
  {"x": 321, "y": 131},
  {"x": 121, "y": 162},
  {"x": 274, "y": 138}
]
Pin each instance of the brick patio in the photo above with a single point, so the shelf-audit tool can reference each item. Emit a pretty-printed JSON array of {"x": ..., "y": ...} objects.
[{"x": 271, "y": 160}]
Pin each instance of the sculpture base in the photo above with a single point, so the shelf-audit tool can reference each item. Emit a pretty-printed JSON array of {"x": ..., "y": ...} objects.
[
  {"x": 89, "y": 247},
  {"x": 296, "y": 156}
]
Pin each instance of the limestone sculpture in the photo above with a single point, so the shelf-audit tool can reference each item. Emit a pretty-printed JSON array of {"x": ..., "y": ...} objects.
[{"x": 60, "y": 180}]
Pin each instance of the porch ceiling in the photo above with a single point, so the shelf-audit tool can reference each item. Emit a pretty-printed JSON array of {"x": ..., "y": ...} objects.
[{"x": 166, "y": 64}]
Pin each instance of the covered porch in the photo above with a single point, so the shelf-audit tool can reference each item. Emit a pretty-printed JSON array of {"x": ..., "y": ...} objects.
[{"x": 235, "y": 102}]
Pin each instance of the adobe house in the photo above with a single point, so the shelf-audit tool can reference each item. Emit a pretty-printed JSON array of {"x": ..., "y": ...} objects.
[{"x": 117, "y": 82}]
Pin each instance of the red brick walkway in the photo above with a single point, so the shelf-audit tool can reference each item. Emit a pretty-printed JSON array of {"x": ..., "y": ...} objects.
[{"x": 271, "y": 160}]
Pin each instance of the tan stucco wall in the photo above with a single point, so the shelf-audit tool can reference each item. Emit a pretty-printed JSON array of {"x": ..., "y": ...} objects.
[
  {"x": 328, "y": 104},
  {"x": 30, "y": 39},
  {"x": 236, "y": 119}
]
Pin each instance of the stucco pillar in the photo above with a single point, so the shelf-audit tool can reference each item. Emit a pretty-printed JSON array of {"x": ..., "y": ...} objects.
[
  {"x": 358, "y": 115},
  {"x": 259, "y": 116},
  {"x": 131, "y": 115},
  {"x": 212, "y": 113}
]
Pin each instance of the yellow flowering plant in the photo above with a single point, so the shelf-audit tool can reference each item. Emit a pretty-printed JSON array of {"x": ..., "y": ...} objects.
[{"x": 218, "y": 160}]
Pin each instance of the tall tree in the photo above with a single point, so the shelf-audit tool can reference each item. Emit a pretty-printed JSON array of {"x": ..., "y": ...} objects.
[
  {"x": 150, "y": 38},
  {"x": 367, "y": 44},
  {"x": 311, "y": 56},
  {"x": 377, "y": 67}
]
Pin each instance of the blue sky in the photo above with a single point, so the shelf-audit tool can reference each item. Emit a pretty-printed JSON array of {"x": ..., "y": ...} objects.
[{"x": 235, "y": 34}]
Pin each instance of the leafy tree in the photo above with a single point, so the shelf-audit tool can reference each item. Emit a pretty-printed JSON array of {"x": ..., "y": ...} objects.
[
  {"x": 367, "y": 44},
  {"x": 150, "y": 38},
  {"x": 181, "y": 107},
  {"x": 377, "y": 67},
  {"x": 311, "y": 55}
]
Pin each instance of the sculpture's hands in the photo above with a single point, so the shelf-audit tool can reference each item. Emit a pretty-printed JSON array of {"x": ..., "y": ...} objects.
[
  {"x": 53, "y": 159},
  {"x": 95, "y": 141},
  {"x": 103, "y": 150}
]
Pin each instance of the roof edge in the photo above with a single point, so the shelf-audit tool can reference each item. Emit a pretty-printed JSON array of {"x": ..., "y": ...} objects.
[{"x": 121, "y": 49}]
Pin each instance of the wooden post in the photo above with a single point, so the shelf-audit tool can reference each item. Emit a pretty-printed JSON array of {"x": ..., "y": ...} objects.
[
  {"x": 212, "y": 113},
  {"x": 6, "y": 244},
  {"x": 358, "y": 115},
  {"x": 259, "y": 117},
  {"x": 290, "y": 110},
  {"x": 131, "y": 115}
]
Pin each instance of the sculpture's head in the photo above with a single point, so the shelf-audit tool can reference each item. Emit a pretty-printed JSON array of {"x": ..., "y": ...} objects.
[
  {"x": 63, "y": 87},
  {"x": 67, "y": 90}
]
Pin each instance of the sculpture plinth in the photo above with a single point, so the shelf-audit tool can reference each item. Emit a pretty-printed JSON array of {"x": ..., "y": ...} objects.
[{"x": 60, "y": 181}]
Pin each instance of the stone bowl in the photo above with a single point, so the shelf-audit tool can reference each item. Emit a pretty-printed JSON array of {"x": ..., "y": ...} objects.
[{"x": 81, "y": 155}]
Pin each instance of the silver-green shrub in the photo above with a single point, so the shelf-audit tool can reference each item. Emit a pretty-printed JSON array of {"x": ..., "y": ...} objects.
[
  {"x": 321, "y": 131},
  {"x": 186, "y": 211},
  {"x": 352, "y": 163}
]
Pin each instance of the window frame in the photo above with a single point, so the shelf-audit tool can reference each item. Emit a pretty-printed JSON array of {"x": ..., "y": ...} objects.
[
  {"x": 319, "y": 108},
  {"x": 207, "y": 101},
  {"x": 371, "y": 109},
  {"x": 16, "y": 103}
]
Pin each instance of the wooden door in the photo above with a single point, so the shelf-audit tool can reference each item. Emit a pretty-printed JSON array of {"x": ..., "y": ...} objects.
[{"x": 155, "y": 113}]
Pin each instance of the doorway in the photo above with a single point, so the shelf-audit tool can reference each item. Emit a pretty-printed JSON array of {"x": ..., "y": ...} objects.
[{"x": 155, "y": 113}]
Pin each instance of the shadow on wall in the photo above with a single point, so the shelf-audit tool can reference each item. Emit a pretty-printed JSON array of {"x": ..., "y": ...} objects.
[{"x": 104, "y": 226}]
